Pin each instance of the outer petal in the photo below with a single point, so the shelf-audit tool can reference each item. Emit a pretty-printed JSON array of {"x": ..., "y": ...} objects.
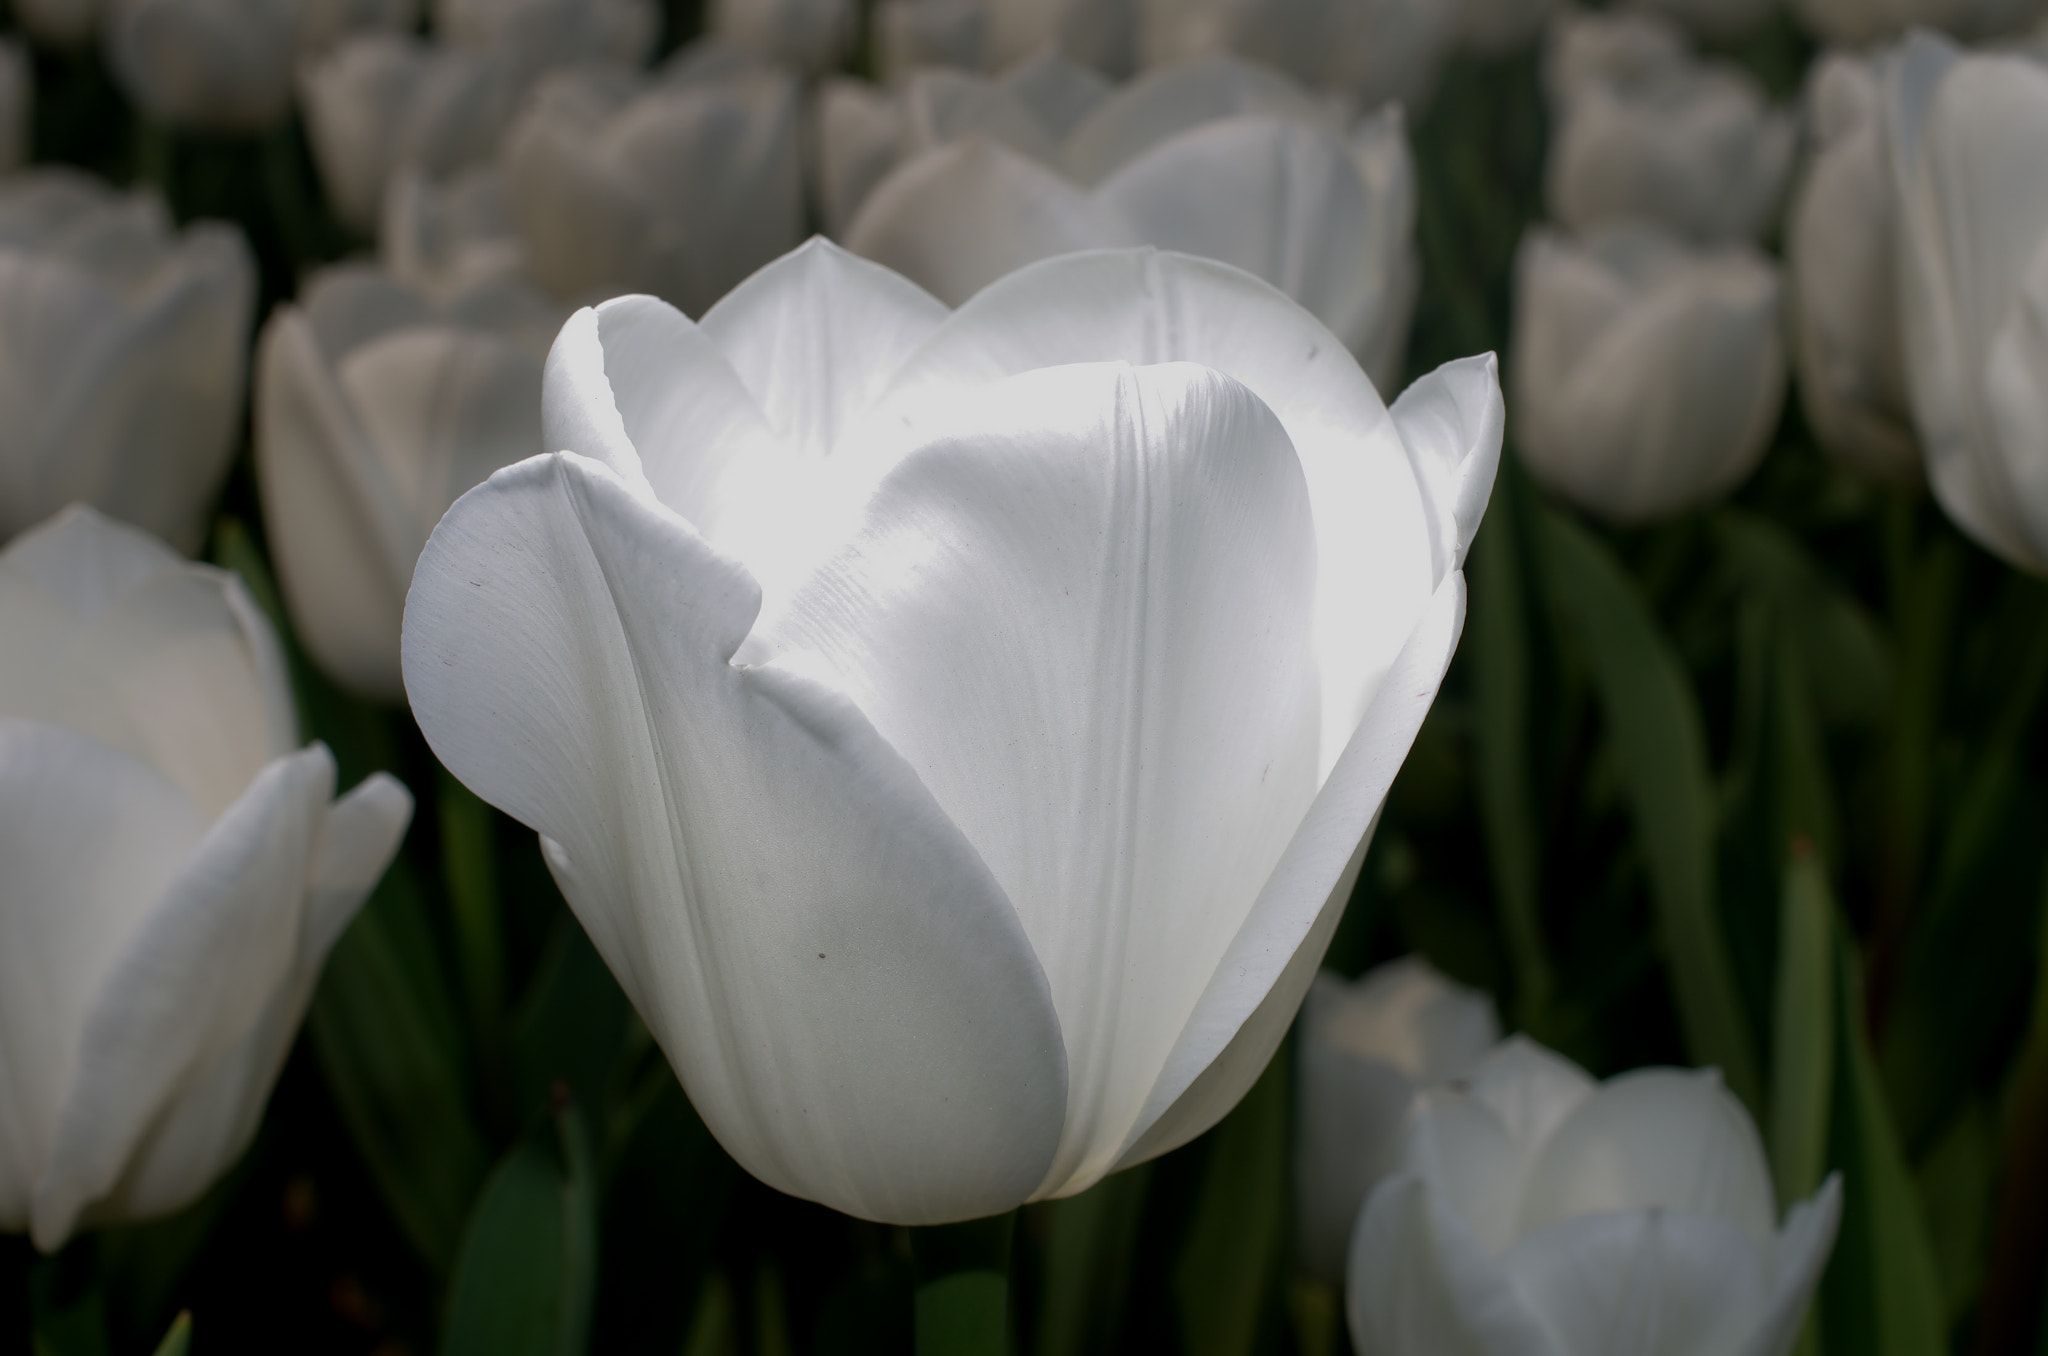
[
  {"x": 1645, "y": 1282},
  {"x": 190, "y": 983},
  {"x": 846, "y": 994},
  {"x": 1802, "y": 1252},
  {"x": 1162, "y": 104},
  {"x": 1082, "y": 613},
  {"x": 91, "y": 837},
  {"x": 1419, "y": 1284}
]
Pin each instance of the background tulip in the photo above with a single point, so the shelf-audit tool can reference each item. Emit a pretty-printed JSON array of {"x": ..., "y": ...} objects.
[
  {"x": 175, "y": 874},
  {"x": 991, "y": 953},
  {"x": 375, "y": 408},
  {"x": 1365, "y": 1047},
  {"x": 1546, "y": 1214},
  {"x": 1856, "y": 23},
  {"x": 680, "y": 186},
  {"x": 1496, "y": 27},
  {"x": 547, "y": 34},
  {"x": 61, "y": 23},
  {"x": 1645, "y": 131},
  {"x": 993, "y": 34},
  {"x": 1373, "y": 51},
  {"x": 1839, "y": 254},
  {"x": 1724, "y": 20},
  {"x": 381, "y": 103},
  {"x": 1218, "y": 158},
  {"x": 810, "y": 35},
  {"x": 1647, "y": 376},
  {"x": 1969, "y": 144},
  {"x": 123, "y": 346},
  {"x": 444, "y": 238},
  {"x": 17, "y": 99}
]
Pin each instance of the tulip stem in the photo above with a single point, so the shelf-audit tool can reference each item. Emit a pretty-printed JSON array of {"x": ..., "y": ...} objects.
[{"x": 963, "y": 1287}]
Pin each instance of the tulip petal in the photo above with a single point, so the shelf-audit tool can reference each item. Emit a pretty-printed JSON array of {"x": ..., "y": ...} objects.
[
  {"x": 816, "y": 335},
  {"x": 841, "y": 985},
  {"x": 92, "y": 837},
  {"x": 1163, "y": 103},
  {"x": 189, "y": 985},
  {"x": 1251, "y": 996},
  {"x": 1374, "y": 575},
  {"x": 1646, "y": 1282},
  {"x": 1419, "y": 1284},
  {"x": 1655, "y": 1137},
  {"x": 1082, "y": 611},
  {"x": 1802, "y": 1253}
]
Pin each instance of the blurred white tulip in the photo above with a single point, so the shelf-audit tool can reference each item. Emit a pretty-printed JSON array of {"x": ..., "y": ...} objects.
[
  {"x": 679, "y": 185},
  {"x": 810, "y": 35},
  {"x": 1497, "y": 27},
  {"x": 1859, "y": 23},
  {"x": 1365, "y": 1048},
  {"x": 175, "y": 874},
  {"x": 988, "y": 35},
  {"x": 447, "y": 237},
  {"x": 551, "y": 34},
  {"x": 1538, "y": 1213},
  {"x": 228, "y": 65},
  {"x": 1841, "y": 268},
  {"x": 1217, "y": 158},
  {"x": 1642, "y": 129},
  {"x": 122, "y": 355},
  {"x": 1717, "y": 19},
  {"x": 381, "y": 103},
  {"x": 912, "y": 34},
  {"x": 933, "y": 953},
  {"x": 1373, "y": 51},
  {"x": 375, "y": 409},
  {"x": 1968, "y": 137},
  {"x": 1647, "y": 375},
  {"x": 60, "y": 23},
  {"x": 17, "y": 105}
]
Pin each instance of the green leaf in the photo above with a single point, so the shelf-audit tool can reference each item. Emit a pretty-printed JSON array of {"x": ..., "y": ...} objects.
[
  {"x": 178, "y": 1341},
  {"x": 1655, "y": 735},
  {"x": 1844, "y": 660},
  {"x": 714, "y": 1324},
  {"x": 1802, "y": 1032},
  {"x": 1091, "y": 1239},
  {"x": 390, "y": 1048},
  {"x": 469, "y": 870},
  {"x": 1230, "y": 1261},
  {"x": 1954, "y": 1185},
  {"x": 526, "y": 1280},
  {"x": 572, "y": 1025}
]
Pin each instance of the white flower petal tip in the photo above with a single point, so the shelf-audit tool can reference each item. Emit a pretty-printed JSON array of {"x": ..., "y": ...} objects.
[
  {"x": 180, "y": 874},
  {"x": 1538, "y": 1212},
  {"x": 925, "y": 786}
]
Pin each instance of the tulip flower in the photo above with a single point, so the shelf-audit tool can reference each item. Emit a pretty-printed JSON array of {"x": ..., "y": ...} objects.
[
  {"x": 1218, "y": 159},
  {"x": 810, "y": 35},
  {"x": 125, "y": 345},
  {"x": 1839, "y": 252},
  {"x": 445, "y": 238},
  {"x": 1860, "y": 23},
  {"x": 1969, "y": 146},
  {"x": 1372, "y": 51},
  {"x": 176, "y": 872},
  {"x": 17, "y": 102},
  {"x": 1647, "y": 375},
  {"x": 381, "y": 103},
  {"x": 1365, "y": 1048},
  {"x": 1538, "y": 1213},
  {"x": 680, "y": 186},
  {"x": 375, "y": 408},
  {"x": 227, "y": 65},
  {"x": 987, "y": 35},
  {"x": 550, "y": 34},
  {"x": 1645, "y": 131},
  {"x": 959, "y": 741}
]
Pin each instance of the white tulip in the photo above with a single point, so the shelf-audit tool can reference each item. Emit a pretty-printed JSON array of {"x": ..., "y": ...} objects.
[
  {"x": 176, "y": 870},
  {"x": 1538, "y": 1213},
  {"x": 550, "y": 34},
  {"x": 680, "y": 186},
  {"x": 1648, "y": 376},
  {"x": 17, "y": 105},
  {"x": 912, "y": 34},
  {"x": 228, "y": 65},
  {"x": 445, "y": 238},
  {"x": 375, "y": 408},
  {"x": 1969, "y": 144},
  {"x": 959, "y": 742},
  {"x": 987, "y": 35},
  {"x": 1497, "y": 27},
  {"x": 381, "y": 103},
  {"x": 125, "y": 344},
  {"x": 1719, "y": 19},
  {"x": 1218, "y": 158},
  {"x": 1365, "y": 1048},
  {"x": 1374, "y": 51},
  {"x": 1840, "y": 264},
  {"x": 1643, "y": 130},
  {"x": 1859, "y": 23},
  {"x": 810, "y": 35}
]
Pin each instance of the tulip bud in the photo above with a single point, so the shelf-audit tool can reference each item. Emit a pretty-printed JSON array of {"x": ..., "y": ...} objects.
[
  {"x": 1840, "y": 260},
  {"x": 1538, "y": 1211},
  {"x": 1365, "y": 1047},
  {"x": 1373, "y": 51},
  {"x": 987, "y": 35},
  {"x": 381, "y": 103},
  {"x": 1645, "y": 131},
  {"x": 1216, "y": 158},
  {"x": 550, "y": 34},
  {"x": 126, "y": 346},
  {"x": 1647, "y": 375},
  {"x": 1860, "y": 23},
  {"x": 1968, "y": 137},
  {"x": 375, "y": 409},
  {"x": 910, "y": 34},
  {"x": 679, "y": 186},
  {"x": 448, "y": 238},
  {"x": 810, "y": 35},
  {"x": 958, "y": 740},
  {"x": 176, "y": 873}
]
